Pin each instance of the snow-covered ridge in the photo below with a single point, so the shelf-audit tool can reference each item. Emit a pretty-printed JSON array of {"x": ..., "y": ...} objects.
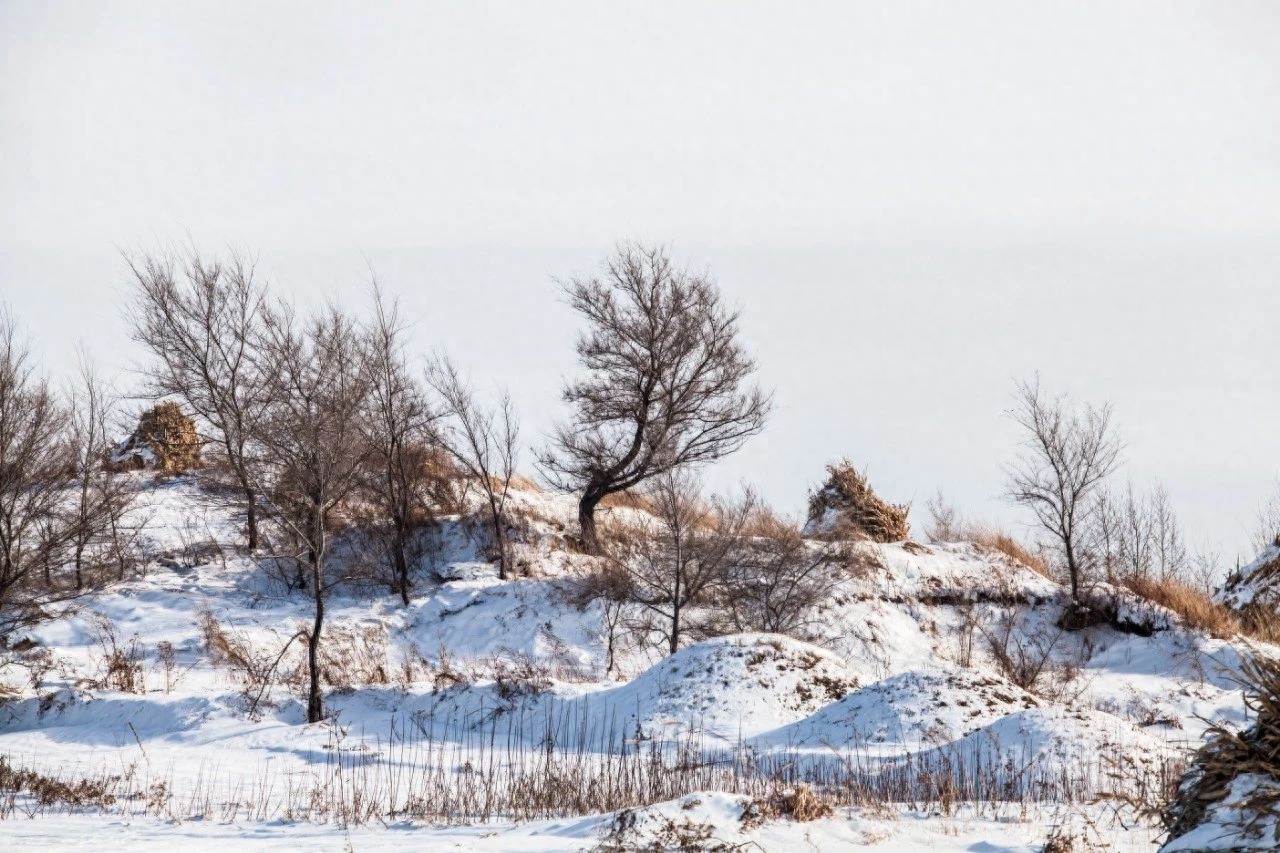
[{"x": 902, "y": 661}]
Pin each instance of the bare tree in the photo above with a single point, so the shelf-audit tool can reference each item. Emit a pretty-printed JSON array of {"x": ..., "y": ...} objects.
[
  {"x": 485, "y": 444},
  {"x": 313, "y": 433},
  {"x": 1068, "y": 455},
  {"x": 35, "y": 461},
  {"x": 666, "y": 384},
  {"x": 200, "y": 320},
  {"x": 678, "y": 563},
  {"x": 398, "y": 432},
  {"x": 99, "y": 497},
  {"x": 1266, "y": 530},
  {"x": 1137, "y": 535}
]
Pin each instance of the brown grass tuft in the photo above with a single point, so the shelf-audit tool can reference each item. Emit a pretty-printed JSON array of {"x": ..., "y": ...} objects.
[
  {"x": 1004, "y": 542},
  {"x": 1195, "y": 607}
]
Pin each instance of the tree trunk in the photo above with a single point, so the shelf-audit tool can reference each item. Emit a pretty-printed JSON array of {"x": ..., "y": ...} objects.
[
  {"x": 251, "y": 519},
  {"x": 499, "y": 537},
  {"x": 401, "y": 563},
  {"x": 587, "y": 521},
  {"x": 315, "y": 705}
]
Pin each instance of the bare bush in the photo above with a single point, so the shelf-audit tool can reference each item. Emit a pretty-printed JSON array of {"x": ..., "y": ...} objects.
[
  {"x": 121, "y": 663},
  {"x": 257, "y": 670},
  {"x": 99, "y": 496},
  {"x": 666, "y": 382},
  {"x": 676, "y": 562},
  {"x": 777, "y": 577},
  {"x": 38, "y": 455}
]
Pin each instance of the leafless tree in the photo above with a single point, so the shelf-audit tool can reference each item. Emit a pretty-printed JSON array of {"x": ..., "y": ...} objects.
[
  {"x": 99, "y": 497},
  {"x": 690, "y": 549},
  {"x": 666, "y": 382},
  {"x": 1267, "y": 525},
  {"x": 485, "y": 444},
  {"x": 313, "y": 434},
  {"x": 1137, "y": 535},
  {"x": 398, "y": 433},
  {"x": 200, "y": 320},
  {"x": 777, "y": 577},
  {"x": 1068, "y": 455},
  {"x": 35, "y": 461}
]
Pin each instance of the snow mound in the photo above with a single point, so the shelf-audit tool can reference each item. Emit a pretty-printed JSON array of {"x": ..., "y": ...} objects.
[
  {"x": 914, "y": 707},
  {"x": 1051, "y": 741},
  {"x": 1254, "y": 585},
  {"x": 1235, "y": 823},
  {"x": 727, "y": 688}
]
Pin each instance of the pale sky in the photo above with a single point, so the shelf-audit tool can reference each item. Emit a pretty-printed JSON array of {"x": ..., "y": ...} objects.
[{"x": 913, "y": 204}]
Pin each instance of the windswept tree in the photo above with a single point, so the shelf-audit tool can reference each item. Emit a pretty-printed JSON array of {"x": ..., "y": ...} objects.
[
  {"x": 484, "y": 443},
  {"x": 667, "y": 381},
  {"x": 1068, "y": 455},
  {"x": 398, "y": 431},
  {"x": 200, "y": 320},
  {"x": 313, "y": 435}
]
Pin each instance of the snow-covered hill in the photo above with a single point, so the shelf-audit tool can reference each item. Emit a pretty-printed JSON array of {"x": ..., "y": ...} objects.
[{"x": 914, "y": 657}]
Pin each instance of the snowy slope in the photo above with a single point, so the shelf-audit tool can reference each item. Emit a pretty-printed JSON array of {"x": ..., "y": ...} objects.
[{"x": 895, "y": 669}]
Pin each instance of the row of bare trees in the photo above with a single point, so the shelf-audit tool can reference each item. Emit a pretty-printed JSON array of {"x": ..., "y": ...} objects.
[
  {"x": 61, "y": 512},
  {"x": 312, "y": 417},
  {"x": 1093, "y": 530}
]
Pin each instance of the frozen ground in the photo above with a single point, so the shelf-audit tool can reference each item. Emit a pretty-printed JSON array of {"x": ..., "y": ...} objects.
[{"x": 481, "y": 676}]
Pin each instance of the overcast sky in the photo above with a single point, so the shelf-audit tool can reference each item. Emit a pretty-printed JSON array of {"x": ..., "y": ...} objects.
[{"x": 913, "y": 204}]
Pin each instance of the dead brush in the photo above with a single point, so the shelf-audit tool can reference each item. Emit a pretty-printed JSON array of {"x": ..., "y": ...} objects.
[
  {"x": 1195, "y": 607},
  {"x": 1007, "y": 544},
  {"x": 798, "y": 803},
  {"x": 121, "y": 665},
  {"x": 1227, "y": 755},
  {"x": 257, "y": 671},
  {"x": 50, "y": 791},
  {"x": 354, "y": 657},
  {"x": 516, "y": 676}
]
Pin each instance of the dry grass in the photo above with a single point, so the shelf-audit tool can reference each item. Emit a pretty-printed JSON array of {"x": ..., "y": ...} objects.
[
  {"x": 859, "y": 512},
  {"x": 1228, "y": 754},
  {"x": 1195, "y": 607},
  {"x": 798, "y": 803},
  {"x": 478, "y": 773},
  {"x": 1007, "y": 544}
]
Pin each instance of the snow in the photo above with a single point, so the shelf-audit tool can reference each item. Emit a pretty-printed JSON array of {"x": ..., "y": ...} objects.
[{"x": 894, "y": 670}]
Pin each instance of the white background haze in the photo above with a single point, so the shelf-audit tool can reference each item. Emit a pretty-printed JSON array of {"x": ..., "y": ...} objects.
[{"x": 912, "y": 203}]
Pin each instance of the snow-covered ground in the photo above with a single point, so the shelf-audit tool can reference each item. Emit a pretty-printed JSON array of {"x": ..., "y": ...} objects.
[{"x": 480, "y": 679}]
